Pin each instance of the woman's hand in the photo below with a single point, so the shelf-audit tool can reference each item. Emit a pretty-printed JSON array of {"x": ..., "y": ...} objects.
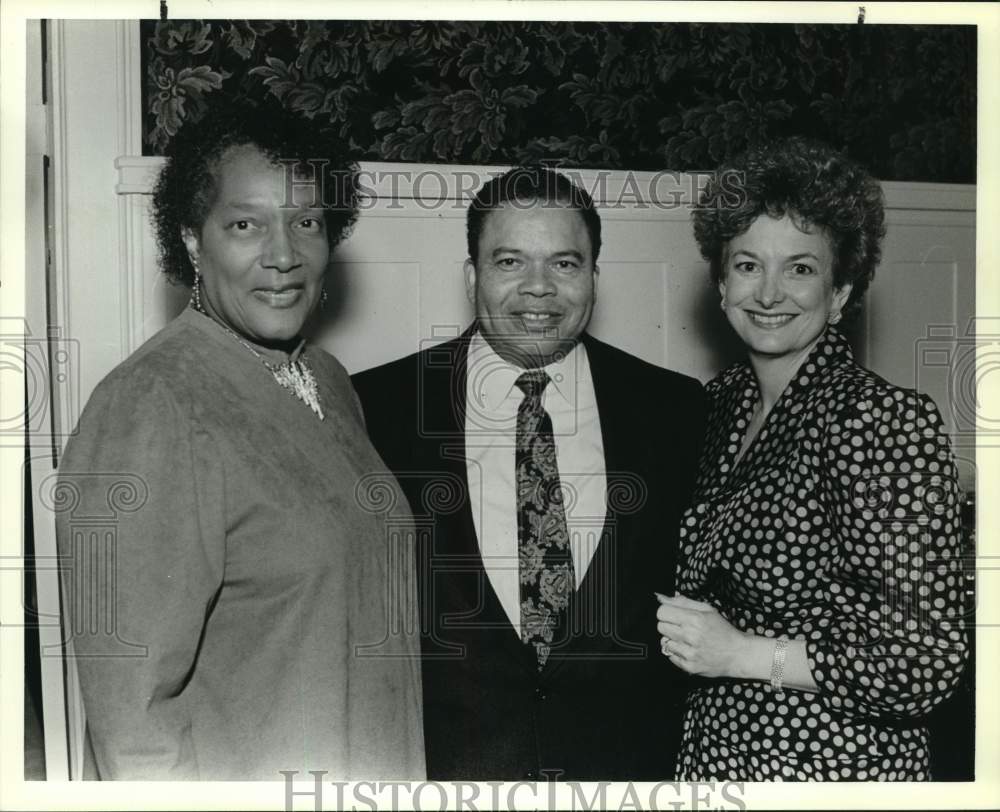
[{"x": 699, "y": 640}]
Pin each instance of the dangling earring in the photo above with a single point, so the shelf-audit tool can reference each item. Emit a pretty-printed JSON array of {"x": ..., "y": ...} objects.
[
  {"x": 196, "y": 287},
  {"x": 323, "y": 298},
  {"x": 834, "y": 318}
]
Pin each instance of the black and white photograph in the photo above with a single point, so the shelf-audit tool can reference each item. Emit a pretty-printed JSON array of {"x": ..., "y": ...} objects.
[{"x": 498, "y": 406}]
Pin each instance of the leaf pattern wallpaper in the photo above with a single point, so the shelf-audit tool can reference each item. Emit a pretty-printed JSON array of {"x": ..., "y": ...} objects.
[{"x": 644, "y": 96}]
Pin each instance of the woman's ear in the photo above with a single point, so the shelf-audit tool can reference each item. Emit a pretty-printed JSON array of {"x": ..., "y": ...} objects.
[
  {"x": 721, "y": 268},
  {"x": 840, "y": 297},
  {"x": 191, "y": 243}
]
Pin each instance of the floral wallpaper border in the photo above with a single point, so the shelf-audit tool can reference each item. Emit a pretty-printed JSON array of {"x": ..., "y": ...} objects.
[{"x": 645, "y": 96}]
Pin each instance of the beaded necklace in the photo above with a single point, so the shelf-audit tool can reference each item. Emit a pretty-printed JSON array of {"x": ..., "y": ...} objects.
[{"x": 294, "y": 377}]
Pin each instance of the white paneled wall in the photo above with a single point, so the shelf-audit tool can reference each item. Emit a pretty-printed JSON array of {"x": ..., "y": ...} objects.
[
  {"x": 919, "y": 323},
  {"x": 397, "y": 282}
]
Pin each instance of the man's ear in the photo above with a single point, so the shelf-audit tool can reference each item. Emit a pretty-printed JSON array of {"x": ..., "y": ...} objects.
[
  {"x": 470, "y": 280},
  {"x": 597, "y": 275}
]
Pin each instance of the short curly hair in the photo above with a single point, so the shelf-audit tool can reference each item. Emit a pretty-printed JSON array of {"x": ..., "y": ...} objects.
[
  {"x": 809, "y": 181},
  {"x": 185, "y": 190},
  {"x": 529, "y": 184}
]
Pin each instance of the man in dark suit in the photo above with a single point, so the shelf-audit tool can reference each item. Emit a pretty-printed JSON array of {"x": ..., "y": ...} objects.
[{"x": 547, "y": 472}]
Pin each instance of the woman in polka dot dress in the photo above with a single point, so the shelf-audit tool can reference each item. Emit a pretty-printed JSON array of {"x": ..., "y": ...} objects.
[{"x": 818, "y": 595}]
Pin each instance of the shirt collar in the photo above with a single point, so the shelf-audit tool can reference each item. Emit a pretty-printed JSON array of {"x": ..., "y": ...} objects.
[{"x": 491, "y": 381}]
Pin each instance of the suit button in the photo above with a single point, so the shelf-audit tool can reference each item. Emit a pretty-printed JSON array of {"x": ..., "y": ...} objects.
[
  {"x": 531, "y": 775},
  {"x": 540, "y": 694}
]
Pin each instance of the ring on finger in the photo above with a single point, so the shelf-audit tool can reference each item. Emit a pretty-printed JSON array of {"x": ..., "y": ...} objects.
[{"x": 665, "y": 645}]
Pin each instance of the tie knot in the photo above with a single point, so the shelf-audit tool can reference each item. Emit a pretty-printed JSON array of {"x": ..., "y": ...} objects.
[{"x": 533, "y": 382}]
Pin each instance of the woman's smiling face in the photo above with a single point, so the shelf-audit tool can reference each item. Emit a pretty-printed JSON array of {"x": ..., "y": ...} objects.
[
  {"x": 262, "y": 250},
  {"x": 777, "y": 286}
]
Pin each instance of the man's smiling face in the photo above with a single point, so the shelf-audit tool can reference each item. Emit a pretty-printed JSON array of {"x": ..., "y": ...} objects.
[{"x": 533, "y": 281}]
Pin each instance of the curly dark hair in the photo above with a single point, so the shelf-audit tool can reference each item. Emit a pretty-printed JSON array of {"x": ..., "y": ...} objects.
[
  {"x": 814, "y": 184},
  {"x": 185, "y": 189},
  {"x": 527, "y": 184}
]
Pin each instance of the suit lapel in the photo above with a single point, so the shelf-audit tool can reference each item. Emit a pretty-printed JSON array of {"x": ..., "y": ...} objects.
[
  {"x": 615, "y": 420},
  {"x": 443, "y": 395},
  {"x": 612, "y": 408},
  {"x": 601, "y": 582},
  {"x": 441, "y": 391}
]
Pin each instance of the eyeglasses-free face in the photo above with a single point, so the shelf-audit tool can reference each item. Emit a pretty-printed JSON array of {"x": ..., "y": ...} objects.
[
  {"x": 261, "y": 260},
  {"x": 777, "y": 287},
  {"x": 534, "y": 283}
]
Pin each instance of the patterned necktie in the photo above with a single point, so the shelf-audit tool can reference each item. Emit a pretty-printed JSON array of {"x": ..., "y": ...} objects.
[{"x": 546, "y": 562}]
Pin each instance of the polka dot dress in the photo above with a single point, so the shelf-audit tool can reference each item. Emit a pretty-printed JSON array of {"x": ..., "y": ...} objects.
[{"x": 839, "y": 527}]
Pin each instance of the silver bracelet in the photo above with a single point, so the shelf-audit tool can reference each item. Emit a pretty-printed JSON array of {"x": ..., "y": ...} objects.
[{"x": 778, "y": 664}]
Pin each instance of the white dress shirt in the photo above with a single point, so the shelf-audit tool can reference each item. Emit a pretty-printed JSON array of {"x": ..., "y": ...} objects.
[{"x": 492, "y": 400}]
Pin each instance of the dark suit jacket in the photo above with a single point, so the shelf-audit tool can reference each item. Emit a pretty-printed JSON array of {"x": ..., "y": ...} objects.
[{"x": 606, "y": 704}]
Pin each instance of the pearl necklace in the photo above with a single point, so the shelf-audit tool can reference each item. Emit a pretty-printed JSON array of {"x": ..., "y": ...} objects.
[{"x": 294, "y": 377}]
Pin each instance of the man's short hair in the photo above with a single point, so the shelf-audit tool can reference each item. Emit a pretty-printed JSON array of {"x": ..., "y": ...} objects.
[{"x": 526, "y": 185}]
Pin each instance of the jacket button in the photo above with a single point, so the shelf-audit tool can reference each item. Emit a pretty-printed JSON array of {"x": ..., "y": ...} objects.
[
  {"x": 540, "y": 694},
  {"x": 531, "y": 775}
]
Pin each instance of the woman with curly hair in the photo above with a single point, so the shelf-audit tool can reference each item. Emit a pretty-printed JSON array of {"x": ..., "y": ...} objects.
[
  {"x": 256, "y": 616},
  {"x": 818, "y": 595}
]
